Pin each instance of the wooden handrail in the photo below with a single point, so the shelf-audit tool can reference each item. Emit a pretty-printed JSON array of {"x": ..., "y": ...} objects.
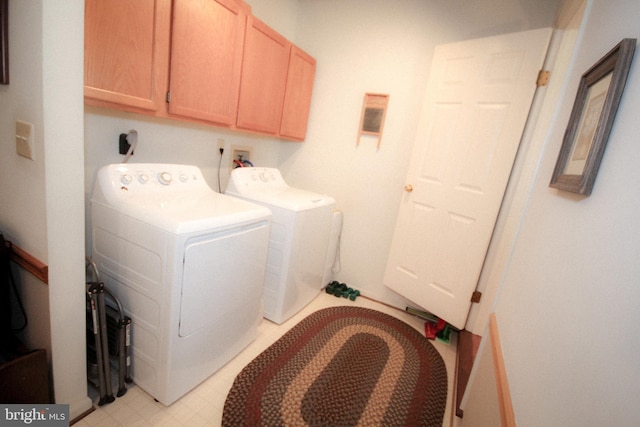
[
  {"x": 29, "y": 263},
  {"x": 507, "y": 415}
]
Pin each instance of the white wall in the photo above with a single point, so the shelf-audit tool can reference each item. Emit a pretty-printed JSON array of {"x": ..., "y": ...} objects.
[
  {"x": 480, "y": 401},
  {"x": 22, "y": 189},
  {"x": 282, "y": 15},
  {"x": 62, "y": 102},
  {"x": 22, "y": 212},
  {"x": 568, "y": 311},
  {"x": 165, "y": 141},
  {"x": 42, "y": 200},
  {"x": 361, "y": 46},
  {"x": 542, "y": 115},
  {"x": 381, "y": 47}
]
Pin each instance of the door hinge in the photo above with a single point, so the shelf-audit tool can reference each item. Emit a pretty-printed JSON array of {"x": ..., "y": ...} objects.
[
  {"x": 543, "y": 78},
  {"x": 168, "y": 97},
  {"x": 475, "y": 296}
]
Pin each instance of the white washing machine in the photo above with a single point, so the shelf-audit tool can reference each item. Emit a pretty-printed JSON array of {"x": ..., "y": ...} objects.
[
  {"x": 188, "y": 265},
  {"x": 300, "y": 231}
]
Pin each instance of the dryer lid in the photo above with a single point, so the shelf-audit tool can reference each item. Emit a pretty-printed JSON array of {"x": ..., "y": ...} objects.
[{"x": 174, "y": 198}]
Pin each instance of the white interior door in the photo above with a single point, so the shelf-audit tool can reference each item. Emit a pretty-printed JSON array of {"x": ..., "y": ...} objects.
[{"x": 477, "y": 101}]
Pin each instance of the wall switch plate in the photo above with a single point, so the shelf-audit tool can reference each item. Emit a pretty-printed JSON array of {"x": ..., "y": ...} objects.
[{"x": 24, "y": 139}]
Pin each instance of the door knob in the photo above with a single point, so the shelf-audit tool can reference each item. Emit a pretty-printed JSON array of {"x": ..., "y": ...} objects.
[{"x": 408, "y": 188}]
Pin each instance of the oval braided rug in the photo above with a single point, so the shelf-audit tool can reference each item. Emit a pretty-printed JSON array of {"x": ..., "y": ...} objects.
[{"x": 342, "y": 366}]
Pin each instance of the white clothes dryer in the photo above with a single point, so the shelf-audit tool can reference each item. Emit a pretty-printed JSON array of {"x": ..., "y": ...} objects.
[
  {"x": 299, "y": 241},
  {"x": 188, "y": 265}
]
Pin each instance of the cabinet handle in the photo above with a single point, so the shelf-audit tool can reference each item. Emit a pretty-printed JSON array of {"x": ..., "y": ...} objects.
[{"x": 408, "y": 188}]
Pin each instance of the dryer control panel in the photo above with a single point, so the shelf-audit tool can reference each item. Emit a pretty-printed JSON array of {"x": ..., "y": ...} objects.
[
  {"x": 249, "y": 180},
  {"x": 138, "y": 182},
  {"x": 266, "y": 185},
  {"x": 150, "y": 178},
  {"x": 174, "y": 198}
]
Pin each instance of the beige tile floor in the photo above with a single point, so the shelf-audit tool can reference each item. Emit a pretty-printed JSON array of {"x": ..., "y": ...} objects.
[{"x": 203, "y": 405}]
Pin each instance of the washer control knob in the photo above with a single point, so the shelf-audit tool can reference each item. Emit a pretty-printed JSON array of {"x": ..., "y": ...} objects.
[
  {"x": 184, "y": 177},
  {"x": 126, "y": 179},
  {"x": 164, "y": 178},
  {"x": 143, "y": 178},
  {"x": 264, "y": 177}
]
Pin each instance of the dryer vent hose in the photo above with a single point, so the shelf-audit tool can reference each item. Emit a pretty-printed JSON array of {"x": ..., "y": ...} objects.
[
  {"x": 333, "y": 262},
  {"x": 132, "y": 139}
]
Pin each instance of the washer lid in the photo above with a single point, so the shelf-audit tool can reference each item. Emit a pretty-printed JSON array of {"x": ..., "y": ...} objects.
[
  {"x": 289, "y": 198},
  {"x": 266, "y": 185}
]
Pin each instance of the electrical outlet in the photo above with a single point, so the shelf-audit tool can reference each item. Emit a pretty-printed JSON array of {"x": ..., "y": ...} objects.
[
  {"x": 240, "y": 155},
  {"x": 24, "y": 139}
]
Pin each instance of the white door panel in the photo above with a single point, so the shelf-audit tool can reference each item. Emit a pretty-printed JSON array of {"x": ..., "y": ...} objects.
[{"x": 476, "y": 106}]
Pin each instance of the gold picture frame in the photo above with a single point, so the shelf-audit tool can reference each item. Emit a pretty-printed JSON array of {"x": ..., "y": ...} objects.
[{"x": 591, "y": 120}]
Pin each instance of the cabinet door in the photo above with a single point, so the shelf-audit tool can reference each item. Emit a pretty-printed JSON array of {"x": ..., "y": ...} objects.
[
  {"x": 297, "y": 98},
  {"x": 125, "y": 56},
  {"x": 264, "y": 77},
  {"x": 207, "y": 39}
]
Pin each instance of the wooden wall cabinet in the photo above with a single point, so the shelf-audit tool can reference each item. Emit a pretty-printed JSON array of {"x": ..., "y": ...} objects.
[
  {"x": 206, "y": 59},
  {"x": 297, "y": 98},
  {"x": 276, "y": 85},
  {"x": 126, "y": 49},
  {"x": 264, "y": 78}
]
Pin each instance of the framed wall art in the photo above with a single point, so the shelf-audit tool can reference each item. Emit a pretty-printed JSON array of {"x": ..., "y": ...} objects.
[
  {"x": 374, "y": 111},
  {"x": 591, "y": 120},
  {"x": 4, "y": 42}
]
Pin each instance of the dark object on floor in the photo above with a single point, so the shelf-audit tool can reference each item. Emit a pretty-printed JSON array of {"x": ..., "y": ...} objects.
[
  {"x": 342, "y": 366},
  {"x": 468, "y": 345},
  {"x": 10, "y": 346},
  {"x": 342, "y": 290},
  {"x": 25, "y": 379},
  {"x": 433, "y": 329},
  {"x": 24, "y": 374},
  {"x": 108, "y": 332}
]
